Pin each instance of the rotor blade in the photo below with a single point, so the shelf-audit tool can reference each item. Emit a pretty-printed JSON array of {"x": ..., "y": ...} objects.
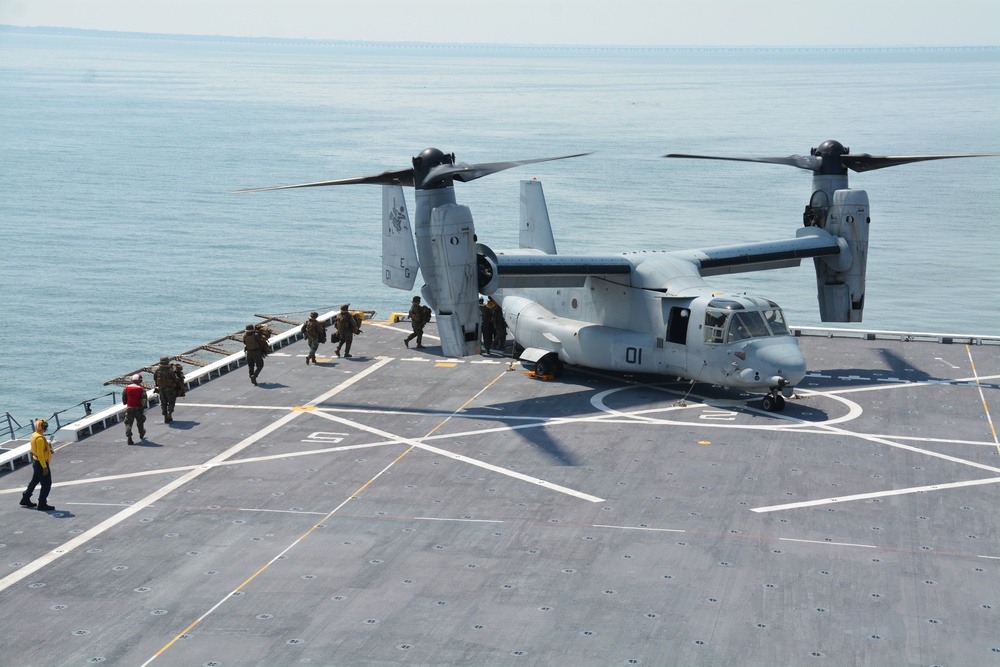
[
  {"x": 393, "y": 177},
  {"x": 865, "y": 162},
  {"x": 807, "y": 162},
  {"x": 470, "y": 172}
]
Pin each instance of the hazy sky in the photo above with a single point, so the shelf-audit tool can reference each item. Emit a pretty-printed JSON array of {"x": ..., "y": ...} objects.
[{"x": 624, "y": 22}]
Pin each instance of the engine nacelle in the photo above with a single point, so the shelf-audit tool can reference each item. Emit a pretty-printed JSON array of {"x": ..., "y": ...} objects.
[
  {"x": 840, "y": 280},
  {"x": 487, "y": 275},
  {"x": 447, "y": 253}
]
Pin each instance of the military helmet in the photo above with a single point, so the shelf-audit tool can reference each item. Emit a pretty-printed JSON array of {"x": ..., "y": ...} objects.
[
  {"x": 164, "y": 360},
  {"x": 249, "y": 327},
  {"x": 313, "y": 314},
  {"x": 416, "y": 299},
  {"x": 345, "y": 306}
]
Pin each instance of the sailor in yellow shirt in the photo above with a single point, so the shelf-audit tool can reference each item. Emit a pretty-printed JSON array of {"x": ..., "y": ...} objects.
[{"x": 41, "y": 455}]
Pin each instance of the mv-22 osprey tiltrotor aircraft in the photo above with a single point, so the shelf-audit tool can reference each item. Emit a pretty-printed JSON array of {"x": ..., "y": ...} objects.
[{"x": 642, "y": 312}]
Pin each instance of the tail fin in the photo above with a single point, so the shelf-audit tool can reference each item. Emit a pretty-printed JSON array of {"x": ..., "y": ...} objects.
[
  {"x": 399, "y": 254},
  {"x": 536, "y": 230}
]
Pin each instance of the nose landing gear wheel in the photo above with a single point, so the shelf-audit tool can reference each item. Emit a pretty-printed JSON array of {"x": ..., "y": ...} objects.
[{"x": 773, "y": 402}]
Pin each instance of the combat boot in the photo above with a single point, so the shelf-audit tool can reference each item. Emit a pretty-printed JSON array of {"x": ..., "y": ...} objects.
[
  {"x": 130, "y": 440},
  {"x": 142, "y": 435},
  {"x": 45, "y": 507},
  {"x": 26, "y": 501}
]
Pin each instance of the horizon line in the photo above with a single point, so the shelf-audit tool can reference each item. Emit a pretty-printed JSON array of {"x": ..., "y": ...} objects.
[{"x": 506, "y": 45}]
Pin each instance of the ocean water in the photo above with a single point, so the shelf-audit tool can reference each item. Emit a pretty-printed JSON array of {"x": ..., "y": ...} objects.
[{"x": 121, "y": 240}]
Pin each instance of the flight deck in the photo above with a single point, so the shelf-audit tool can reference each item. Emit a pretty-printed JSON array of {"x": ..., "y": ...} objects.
[{"x": 401, "y": 507}]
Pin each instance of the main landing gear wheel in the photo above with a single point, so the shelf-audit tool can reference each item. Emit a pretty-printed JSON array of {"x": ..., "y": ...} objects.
[
  {"x": 773, "y": 402},
  {"x": 551, "y": 365}
]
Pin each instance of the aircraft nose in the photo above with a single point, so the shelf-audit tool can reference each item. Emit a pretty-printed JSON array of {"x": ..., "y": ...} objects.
[{"x": 786, "y": 360}]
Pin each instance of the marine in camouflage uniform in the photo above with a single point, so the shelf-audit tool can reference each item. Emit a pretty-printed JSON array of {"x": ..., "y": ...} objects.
[
  {"x": 347, "y": 326},
  {"x": 315, "y": 333},
  {"x": 254, "y": 344},
  {"x": 499, "y": 327},
  {"x": 486, "y": 317},
  {"x": 418, "y": 318},
  {"x": 168, "y": 386}
]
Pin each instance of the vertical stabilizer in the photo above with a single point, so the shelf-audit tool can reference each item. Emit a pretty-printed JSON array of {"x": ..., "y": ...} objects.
[
  {"x": 536, "y": 230},
  {"x": 399, "y": 255}
]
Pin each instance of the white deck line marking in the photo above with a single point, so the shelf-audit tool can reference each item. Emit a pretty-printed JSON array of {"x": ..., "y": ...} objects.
[
  {"x": 699, "y": 403},
  {"x": 369, "y": 411},
  {"x": 948, "y": 363},
  {"x": 876, "y": 494},
  {"x": 836, "y": 544},
  {"x": 434, "y": 518},
  {"x": 207, "y": 509},
  {"x": 901, "y": 385},
  {"x": 228, "y": 462},
  {"x": 233, "y": 406},
  {"x": 109, "y": 478},
  {"x": 982, "y": 398},
  {"x": 458, "y": 457},
  {"x": 606, "y": 418},
  {"x": 990, "y": 557},
  {"x": 390, "y": 326},
  {"x": 535, "y": 422},
  {"x": 654, "y": 530},
  {"x": 258, "y": 509},
  {"x": 910, "y": 448},
  {"x": 140, "y": 505}
]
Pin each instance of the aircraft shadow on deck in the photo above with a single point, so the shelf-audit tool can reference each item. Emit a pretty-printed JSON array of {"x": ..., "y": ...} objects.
[
  {"x": 513, "y": 414},
  {"x": 896, "y": 367},
  {"x": 575, "y": 402}
]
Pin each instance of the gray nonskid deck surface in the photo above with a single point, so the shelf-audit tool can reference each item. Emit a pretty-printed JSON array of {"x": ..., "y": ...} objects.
[{"x": 403, "y": 508}]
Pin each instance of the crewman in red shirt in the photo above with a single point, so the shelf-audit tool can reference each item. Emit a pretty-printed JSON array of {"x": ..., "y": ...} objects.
[{"x": 134, "y": 398}]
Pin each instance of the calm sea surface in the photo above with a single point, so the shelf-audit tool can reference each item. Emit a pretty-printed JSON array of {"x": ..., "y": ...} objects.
[{"x": 121, "y": 242}]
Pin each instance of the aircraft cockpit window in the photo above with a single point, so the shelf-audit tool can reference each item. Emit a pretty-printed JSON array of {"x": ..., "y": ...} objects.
[
  {"x": 747, "y": 325},
  {"x": 776, "y": 321},
  {"x": 715, "y": 325}
]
